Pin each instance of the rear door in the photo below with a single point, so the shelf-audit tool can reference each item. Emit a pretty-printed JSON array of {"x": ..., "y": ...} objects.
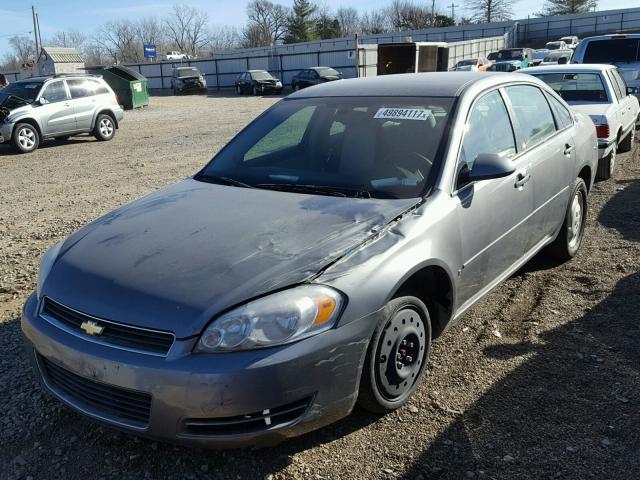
[
  {"x": 492, "y": 214},
  {"x": 547, "y": 149},
  {"x": 56, "y": 115},
  {"x": 626, "y": 103},
  {"x": 83, "y": 102}
]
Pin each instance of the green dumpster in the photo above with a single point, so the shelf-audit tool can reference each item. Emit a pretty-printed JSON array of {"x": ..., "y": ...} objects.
[{"x": 129, "y": 85}]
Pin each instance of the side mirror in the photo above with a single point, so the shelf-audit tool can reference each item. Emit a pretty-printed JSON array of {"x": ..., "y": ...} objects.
[
  {"x": 486, "y": 167},
  {"x": 562, "y": 61},
  {"x": 633, "y": 90},
  {"x": 42, "y": 101}
]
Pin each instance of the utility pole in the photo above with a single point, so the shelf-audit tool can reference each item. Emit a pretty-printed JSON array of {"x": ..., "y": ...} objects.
[
  {"x": 433, "y": 10},
  {"x": 38, "y": 25},
  {"x": 453, "y": 10},
  {"x": 35, "y": 30}
]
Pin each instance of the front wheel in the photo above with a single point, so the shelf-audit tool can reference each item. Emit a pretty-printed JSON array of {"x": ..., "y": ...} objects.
[
  {"x": 105, "y": 129},
  {"x": 568, "y": 241},
  {"x": 25, "y": 138},
  {"x": 397, "y": 355},
  {"x": 238, "y": 90}
]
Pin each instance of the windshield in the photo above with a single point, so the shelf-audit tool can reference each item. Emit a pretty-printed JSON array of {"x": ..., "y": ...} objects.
[
  {"x": 510, "y": 55},
  {"x": 619, "y": 50},
  {"x": 553, "y": 45},
  {"x": 26, "y": 90},
  {"x": 382, "y": 147},
  {"x": 261, "y": 76},
  {"x": 187, "y": 72},
  {"x": 555, "y": 56},
  {"x": 492, "y": 56},
  {"x": 327, "y": 72},
  {"x": 576, "y": 87}
]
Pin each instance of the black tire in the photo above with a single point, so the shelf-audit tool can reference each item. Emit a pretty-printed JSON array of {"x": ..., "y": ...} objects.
[
  {"x": 25, "y": 138},
  {"x": 105, "y": 128},
  {"x": 254, "y": 90},
  {"x": 393, "y": 369},
  {"x": 567, "y": 244},
  {"x": 627, "y": 143},
  {"x": 607, "y": 165},
  {"x": 296, "y": 87},
  {"x": 238, "y": 90}
]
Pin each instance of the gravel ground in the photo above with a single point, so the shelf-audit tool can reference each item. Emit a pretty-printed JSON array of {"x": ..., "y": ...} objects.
[{"x": 540, "y": 380}]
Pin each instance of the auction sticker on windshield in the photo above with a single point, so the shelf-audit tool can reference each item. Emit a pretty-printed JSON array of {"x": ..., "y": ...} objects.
[{"x": 403, "y": 113}]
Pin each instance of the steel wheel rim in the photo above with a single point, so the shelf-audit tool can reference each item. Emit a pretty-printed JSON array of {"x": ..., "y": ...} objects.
[
  {"x": 26, "y": 138},
  {"x": 106, "y": 128},
  {"x": 577, "y": 213},
  {"x": 400, "y": 354}
]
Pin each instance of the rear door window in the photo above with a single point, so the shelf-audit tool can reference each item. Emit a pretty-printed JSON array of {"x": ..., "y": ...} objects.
[
  {"x": 534, "y": 120},
  {"x": 79, "y": 88},
  {"x": 615, "y": 86},
  {"x": 488, "y": 130}
]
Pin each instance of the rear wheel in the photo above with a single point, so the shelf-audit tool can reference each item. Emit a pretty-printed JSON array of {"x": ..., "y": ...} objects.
[
  {"x": 397, "y": 355},
  {"x": 105, "y": 129},
  {"x": 607, "y": 165},
  {"x": 238, "y": 90},
  {"x": 566, "y": 245},
  {"x": 25, "y": 138},
  {"x": 627, "y": 144}
]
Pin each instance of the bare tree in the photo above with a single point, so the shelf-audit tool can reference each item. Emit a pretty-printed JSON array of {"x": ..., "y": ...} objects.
[
  {"x": 406, "y": 15},
  {"x": 68, "y": 39},
  {"x": 223, "y": 38},
  {"x": 187, "y": 28},
  {"x": 150, "y": 30},
  {"x": 374, "y": 22},
  {"x": 23, "y": 49},
  {"x": 119, "y": 41},
  {"x": 486, "y": 11},
  {"x": 267, "y": 23},
  {"x": 349, "y": 20}
]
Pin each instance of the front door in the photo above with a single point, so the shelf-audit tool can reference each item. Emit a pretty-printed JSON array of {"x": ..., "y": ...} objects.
[
  {"x": 492, "y": 214},
  {"x": 56, "y": 115}
]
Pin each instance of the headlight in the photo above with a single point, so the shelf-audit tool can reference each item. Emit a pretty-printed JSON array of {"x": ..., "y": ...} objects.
[
  {"x": 276, "y": 319},
  {"x": 46, "y": 262}
]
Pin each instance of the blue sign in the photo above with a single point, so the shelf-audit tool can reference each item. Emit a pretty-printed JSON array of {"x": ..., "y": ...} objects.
[{"x": 149, "y": 51}]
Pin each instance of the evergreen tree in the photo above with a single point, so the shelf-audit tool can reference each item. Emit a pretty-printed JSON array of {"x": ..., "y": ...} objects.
[
  {"x": 562, "y": 7},
  {"x": 300, "y": 27},
  {"x": 327, "y": 27}
]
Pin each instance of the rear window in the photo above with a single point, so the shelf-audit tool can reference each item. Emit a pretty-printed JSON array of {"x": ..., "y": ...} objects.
[
  {"x": 329, "y": 72},
  {"x": 576, "y": 87},
  {"x": 618, "y": 50},
  {"x": 187, "y": 72}
]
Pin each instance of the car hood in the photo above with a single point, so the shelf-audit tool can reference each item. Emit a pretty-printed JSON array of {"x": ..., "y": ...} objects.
[
  {"x": 7, "y": 109},
  {"x": 175, "y": 258}
]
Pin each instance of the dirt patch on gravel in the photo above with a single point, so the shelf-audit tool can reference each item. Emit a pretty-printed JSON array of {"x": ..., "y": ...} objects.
[{"x": 540, "y": 380}]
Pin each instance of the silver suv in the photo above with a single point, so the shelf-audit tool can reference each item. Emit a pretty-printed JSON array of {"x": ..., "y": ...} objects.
[{"x": 57, "y": 107}]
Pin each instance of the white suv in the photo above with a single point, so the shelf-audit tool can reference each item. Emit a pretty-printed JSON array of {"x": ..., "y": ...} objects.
[{"x": 57, "y": 107}]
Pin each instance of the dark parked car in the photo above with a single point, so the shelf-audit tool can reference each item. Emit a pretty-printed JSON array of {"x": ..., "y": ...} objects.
[
  {"x": 309, "y": 265},
  {"x": 187, "y": 79},
  {"x": 258, "y": 82},
  {"x": 314, "y": 76}
]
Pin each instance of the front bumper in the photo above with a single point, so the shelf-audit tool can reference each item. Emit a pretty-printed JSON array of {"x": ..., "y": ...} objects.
[
  {"x": 323, "y": 370},
  {"x": 191, "y": 87},
  {"x": 6, "y": 129}
]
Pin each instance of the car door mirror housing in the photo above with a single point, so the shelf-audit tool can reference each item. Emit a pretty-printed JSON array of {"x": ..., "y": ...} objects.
[
  {"x": 42, "y": 101},
  {"x": 632, "y": 90},
  {"x": 486, "y": 167}
]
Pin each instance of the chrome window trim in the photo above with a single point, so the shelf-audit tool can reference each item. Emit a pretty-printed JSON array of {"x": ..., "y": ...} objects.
[{"x": 96, "y": 340}]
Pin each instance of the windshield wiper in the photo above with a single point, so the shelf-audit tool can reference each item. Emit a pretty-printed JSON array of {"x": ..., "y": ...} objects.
[
  {"x": 319, "y": 189},
  {"x": 227, "y": 180}
]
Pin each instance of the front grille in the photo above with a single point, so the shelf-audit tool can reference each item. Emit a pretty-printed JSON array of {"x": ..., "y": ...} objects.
[
  {"x": 100, "y": 399},
  {"x": 117, "y": 334},
  {"x": 504, "y": 67},
  {"x": 254, "y": 422}
]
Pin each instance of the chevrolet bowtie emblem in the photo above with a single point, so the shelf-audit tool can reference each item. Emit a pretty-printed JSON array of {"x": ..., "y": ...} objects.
[{"x": 92, "y": 328}]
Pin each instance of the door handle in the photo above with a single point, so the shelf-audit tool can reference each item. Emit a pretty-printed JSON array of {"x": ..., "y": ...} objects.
[
  {"x": 522, "y": 178},
  {"x": 568, "y": 149},
  {"x": 67, "y": 104}
]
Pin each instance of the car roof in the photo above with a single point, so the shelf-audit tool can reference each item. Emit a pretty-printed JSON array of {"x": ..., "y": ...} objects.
[
  {"x": 432, "y": 84},
  {"x": 573, "y": 67},
  {"x": 254, "y": 71},
  {"x": 612, "y": 36}
]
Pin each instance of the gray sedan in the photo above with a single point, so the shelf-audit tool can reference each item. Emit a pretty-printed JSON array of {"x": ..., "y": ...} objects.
[{"x": 312, "y": 262}]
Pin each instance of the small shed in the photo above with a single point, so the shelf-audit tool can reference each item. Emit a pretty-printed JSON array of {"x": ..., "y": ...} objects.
[{"x": 54, "y": 60}]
